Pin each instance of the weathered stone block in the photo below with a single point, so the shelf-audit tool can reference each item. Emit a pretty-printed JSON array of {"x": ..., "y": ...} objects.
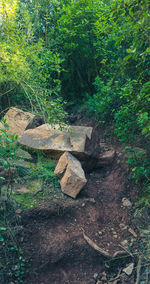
[
  {"x": 18, "y": 120},
  {"x": 78, "y": 140},
  {"x": 73, "y": 179}
]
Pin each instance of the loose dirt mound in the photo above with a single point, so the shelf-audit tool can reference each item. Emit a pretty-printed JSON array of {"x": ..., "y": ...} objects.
[{"x": 53, "y": 241}]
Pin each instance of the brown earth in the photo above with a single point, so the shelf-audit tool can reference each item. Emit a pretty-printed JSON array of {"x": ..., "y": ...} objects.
[{"x": 52, "y": 237}]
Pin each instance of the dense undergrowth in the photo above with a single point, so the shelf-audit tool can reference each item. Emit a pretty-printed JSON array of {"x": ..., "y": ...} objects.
[{"x": 93, "y": 53}]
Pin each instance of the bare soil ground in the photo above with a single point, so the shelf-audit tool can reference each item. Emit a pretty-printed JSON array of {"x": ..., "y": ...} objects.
[{"x": 52, "y": 237}]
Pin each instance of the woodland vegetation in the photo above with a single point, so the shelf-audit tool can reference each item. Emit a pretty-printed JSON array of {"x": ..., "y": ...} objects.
[{"x": 89, "y": 55}]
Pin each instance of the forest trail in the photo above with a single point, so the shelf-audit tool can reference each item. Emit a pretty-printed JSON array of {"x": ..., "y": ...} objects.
[
  {"x": 60, "y": 60},
  {"x": 53, "y": 241}
]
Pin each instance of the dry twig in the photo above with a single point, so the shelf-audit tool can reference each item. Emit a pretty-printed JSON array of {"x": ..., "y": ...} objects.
[
  {"x": 147, "y": 273},
  {"x": 138, "y": 269},
  {"x": 126, "y": 250},
  {"x": 95, "y": 246}
]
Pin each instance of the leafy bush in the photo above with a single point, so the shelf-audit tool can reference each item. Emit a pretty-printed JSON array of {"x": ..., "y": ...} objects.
[
  {"x": 106, "y": 101},
  {"x": 8, "y": 148},
  {"x": 138, "y": 162}
]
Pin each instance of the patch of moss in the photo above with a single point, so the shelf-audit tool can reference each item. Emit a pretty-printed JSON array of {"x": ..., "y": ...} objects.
[
  {"x": 28, "y": 200},
  {"x": 34, "y": 185},
  {"x": 37, "y": 193}
]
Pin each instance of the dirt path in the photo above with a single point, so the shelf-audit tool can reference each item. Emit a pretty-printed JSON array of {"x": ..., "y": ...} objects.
[{"x": 53, "y": 242}]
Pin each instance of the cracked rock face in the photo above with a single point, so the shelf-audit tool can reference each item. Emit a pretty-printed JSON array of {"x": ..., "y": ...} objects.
[
  {"x": 73, "y": 177},
  {"x": 62, "y": 164},
  {"x": 78, "y": 140}
]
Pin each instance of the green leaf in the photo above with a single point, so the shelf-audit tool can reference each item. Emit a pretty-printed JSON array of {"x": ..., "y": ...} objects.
[
  {"x": 127, "y": 57},
  {"x": 148, "y": 50},
  {"x": 1, "y": 238},
  {"x": 6, "y": 165},
  {"x": 2, "y": 178},
  {"x": 129, "y": 50},
  {"x": 2, "y": 229}
]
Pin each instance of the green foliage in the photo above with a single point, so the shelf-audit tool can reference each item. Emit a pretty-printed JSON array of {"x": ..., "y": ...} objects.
[
  {"x": 138, "y": 163},
  {"x": 46, "y": 103},
  {"x": 16, "y": 53},
  {"x": 95, "y": 53},
  {"x": 8, "y": 149},
  {"x": 123, "y": 92},
  {"x": 105, "y": 101},
  {"x": 44, "y": 171},
  {"x": 27, "y": 67},
  {"x": 12, "y": 262},
  {"x": 42, "y": 184},
  {"x": 76, "y": 41}
]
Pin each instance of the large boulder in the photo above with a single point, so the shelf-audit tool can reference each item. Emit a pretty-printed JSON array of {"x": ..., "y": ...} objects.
[
  {"x": 73, "y": 179},
  {"x": 18, "y": 120},
  {"x": 79, "y": 140}
]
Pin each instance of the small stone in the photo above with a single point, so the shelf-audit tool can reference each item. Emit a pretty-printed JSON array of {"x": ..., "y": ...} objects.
[
  {"x": 100, "y": 233},
  {"x": 95, "y": 275},
  {"x": 115, "y": 236},
  {"x": 83, "y": 204},
  {"x": 106, "y": 158},
  {"x": 129, "y": 269},
  {"x": 119, "y": 154},
  {"x": 132, "y": 232},
  {"x": 23, "y": 190},
  {"x": 104, "y": 273},
  {"x": 18, "y": 211},
  {"x": 99, "y": 282},
  {"x": 123, "y": 226},
  {"x": 106, "y": 265},
  {"x": 104, "y": 278},
  {"x": 126, "y": 202},
  {"x": 124, "y": 243},
  {"x": 132, "y": 241}
]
